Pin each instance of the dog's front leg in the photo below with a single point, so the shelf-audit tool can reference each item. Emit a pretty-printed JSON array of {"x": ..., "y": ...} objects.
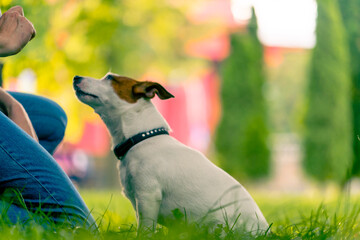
[{"x": 147, "y": 210}]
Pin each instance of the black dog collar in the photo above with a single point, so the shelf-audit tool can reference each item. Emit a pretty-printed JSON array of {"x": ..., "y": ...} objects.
[{"x": 121, "y": 149}]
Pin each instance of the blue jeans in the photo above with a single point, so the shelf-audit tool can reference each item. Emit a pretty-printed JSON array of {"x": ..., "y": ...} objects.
[{"x": 27, "y": 167}]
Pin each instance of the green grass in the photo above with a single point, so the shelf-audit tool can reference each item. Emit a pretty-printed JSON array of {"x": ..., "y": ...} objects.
[{"x": 309, "y": 216}]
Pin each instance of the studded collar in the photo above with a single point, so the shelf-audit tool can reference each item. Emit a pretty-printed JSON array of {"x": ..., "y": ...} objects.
[{"x": 121, "y": 149}]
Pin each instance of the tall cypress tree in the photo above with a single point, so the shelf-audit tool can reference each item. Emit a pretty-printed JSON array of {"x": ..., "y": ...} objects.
[
  {"x": 242, "y": 135},
  {"x": 328, "y": 137},
  {"x": 351, "y": 15}
]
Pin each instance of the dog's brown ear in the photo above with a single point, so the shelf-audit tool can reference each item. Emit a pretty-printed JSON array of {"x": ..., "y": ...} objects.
[{"x": 149, "y": 89}]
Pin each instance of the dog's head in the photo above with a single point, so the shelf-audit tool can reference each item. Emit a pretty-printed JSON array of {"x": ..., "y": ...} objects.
[{"x": 116, "y": 91}]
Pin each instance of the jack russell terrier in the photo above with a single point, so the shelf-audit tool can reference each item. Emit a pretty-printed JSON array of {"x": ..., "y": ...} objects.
[{"x": 158, "y": 174}]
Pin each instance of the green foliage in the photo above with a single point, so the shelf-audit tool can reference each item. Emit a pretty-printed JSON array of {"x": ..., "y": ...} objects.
[
  {"x": 328, "y": 138},
  {"x": 292, "y": 217},
  {"x": 91, "y": 37},
  {"x": 241, "y": 138},
  {"x": 351, "y": 16},
  {"x": 286, "y": 84}
]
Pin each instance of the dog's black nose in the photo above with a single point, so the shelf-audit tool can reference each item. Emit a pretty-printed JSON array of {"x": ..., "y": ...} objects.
[{"x": 77, "y": 79}]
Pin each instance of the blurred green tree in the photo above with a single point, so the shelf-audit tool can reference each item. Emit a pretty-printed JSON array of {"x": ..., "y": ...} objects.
[
  {"x": 242, "y": 135},
  {"x": 351, "y": 15},
  {"x": 328, "y": 136}
]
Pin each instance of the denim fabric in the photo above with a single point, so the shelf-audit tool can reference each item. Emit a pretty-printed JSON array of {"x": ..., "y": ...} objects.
[
  {"x": 29, "y": 168},
  {"x": 47, "y": 117}
]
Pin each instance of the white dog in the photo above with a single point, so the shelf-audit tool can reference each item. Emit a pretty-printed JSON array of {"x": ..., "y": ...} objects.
[{"x": 158, "y": 173}]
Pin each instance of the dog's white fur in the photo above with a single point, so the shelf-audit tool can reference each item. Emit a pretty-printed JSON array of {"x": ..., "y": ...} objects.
[{"x": 161, "y": 174}]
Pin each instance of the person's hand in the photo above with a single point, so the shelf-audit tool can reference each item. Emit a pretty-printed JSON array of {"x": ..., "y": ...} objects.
[
  {"x": 16, "y": 112},
  {"x": 15, "y": 31}
]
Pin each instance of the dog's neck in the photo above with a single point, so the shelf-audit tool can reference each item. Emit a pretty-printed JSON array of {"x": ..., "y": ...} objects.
[{"x": 125, "y": 124}]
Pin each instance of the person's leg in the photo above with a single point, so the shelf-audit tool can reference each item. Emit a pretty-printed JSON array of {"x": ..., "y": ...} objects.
[
  {"x": 28, "y": 168},
  {"x": 13, "y": 213},
  {"x": 47, "y": 117}
]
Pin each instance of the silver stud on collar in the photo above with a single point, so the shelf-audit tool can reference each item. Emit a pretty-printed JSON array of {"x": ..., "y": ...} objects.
[{"x": 153, "y": 131}]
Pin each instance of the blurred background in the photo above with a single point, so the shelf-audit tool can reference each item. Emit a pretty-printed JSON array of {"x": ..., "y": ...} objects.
[{"x": 268, "y": 90}]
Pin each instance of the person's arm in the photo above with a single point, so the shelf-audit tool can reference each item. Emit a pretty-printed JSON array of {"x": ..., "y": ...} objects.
[
  {"x": 16, "y": 112},
  {"x": 15, "y": 31}
]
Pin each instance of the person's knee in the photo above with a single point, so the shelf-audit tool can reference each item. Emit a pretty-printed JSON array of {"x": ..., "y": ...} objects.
[
  {"x": 48, "y": 118},
  {"x": 57, "y": 112},
  {"x": 38, "y": 107},
  {"x": 53, "y": 124}
]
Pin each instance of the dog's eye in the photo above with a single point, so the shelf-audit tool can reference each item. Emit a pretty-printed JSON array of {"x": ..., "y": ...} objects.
[{"x": 109, "y": 77}]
